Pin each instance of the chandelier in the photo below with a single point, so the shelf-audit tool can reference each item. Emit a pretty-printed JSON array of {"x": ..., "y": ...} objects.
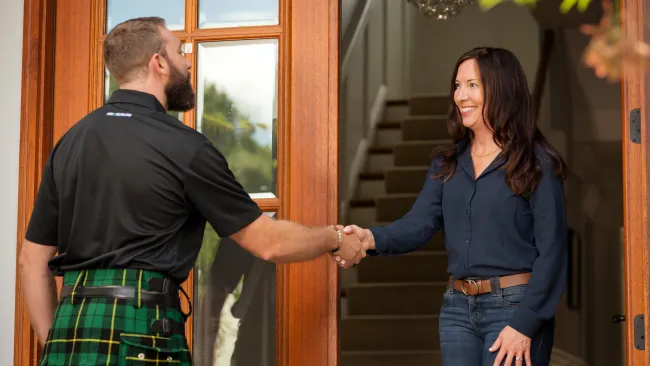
[{"x": 440, "y": 9}]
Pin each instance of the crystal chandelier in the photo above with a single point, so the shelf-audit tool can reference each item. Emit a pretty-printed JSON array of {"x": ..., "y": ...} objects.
[{"x": 440, "y": 9}]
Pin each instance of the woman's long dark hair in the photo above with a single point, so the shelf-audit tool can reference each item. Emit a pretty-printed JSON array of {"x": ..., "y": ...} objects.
[{"x": 508, "y": 111}]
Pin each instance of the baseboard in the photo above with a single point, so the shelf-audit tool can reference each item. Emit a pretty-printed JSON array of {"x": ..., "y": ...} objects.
[
  {"x": 562, "y": 358},
  {"x": 361, "y": 154}
]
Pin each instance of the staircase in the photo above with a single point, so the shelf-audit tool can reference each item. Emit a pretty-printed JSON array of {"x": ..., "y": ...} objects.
[{"x": 391, "y": 304}]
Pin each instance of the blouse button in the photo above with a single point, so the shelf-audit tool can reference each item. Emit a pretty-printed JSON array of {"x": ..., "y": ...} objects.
[{"x": 141, "y": 356}]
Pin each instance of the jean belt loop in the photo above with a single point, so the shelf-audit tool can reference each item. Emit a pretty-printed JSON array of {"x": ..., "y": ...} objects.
[
  {"x": 496, "y": 287},
  {"x": 450, "y": 285}
]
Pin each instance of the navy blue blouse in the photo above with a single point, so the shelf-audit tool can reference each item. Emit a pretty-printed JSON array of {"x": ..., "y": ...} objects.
[{"x": 491, "y": 231}]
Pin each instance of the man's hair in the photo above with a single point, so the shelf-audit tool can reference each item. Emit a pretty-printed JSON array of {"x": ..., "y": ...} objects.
[{"x": 129, "y": 46}]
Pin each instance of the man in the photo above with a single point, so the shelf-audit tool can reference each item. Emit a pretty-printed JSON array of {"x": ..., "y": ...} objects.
[{"x": 124, "y": 200}]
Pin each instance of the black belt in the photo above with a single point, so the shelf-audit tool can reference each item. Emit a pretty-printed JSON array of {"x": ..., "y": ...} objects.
[{"x": 123, "y": 292}]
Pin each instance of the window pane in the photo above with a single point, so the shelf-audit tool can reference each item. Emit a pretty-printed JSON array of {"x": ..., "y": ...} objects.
[
  {"x": 110, "y": 85},
  {"x": 232, "y": 285},
  {"x": 237, "y": 108},
  {"x": 229, "y": 13},
  {"x": 173, "y": 11}
]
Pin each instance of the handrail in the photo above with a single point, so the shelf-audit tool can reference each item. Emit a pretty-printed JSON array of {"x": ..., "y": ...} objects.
[
  {"x": 542, "y": 69},
  {"x": 359, "y": 28}
]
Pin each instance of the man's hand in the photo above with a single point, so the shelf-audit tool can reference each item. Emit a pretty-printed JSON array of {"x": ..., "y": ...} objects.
[
  {"x": 351, "y": 251},
  {"x": 365, "y": 237},
  {"x": 512, "y": 345},
  {"x": 39, "y": 287}
]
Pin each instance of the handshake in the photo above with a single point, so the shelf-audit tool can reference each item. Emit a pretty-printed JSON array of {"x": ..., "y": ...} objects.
[{"x": 355, "y": 242}]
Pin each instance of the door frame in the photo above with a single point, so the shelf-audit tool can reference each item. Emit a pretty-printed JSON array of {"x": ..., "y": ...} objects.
[
  {"x": 307, "y": 315},
  {"x": 636, "y": 156}
]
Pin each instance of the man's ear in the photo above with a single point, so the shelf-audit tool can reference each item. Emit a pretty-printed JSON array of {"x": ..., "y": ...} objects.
[{"x": 159, "y": 64}]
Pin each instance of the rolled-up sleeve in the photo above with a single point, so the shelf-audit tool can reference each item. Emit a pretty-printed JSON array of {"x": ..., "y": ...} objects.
[
  {"x": 549, "y": 273},
  {"x": 416, "y": 228}
]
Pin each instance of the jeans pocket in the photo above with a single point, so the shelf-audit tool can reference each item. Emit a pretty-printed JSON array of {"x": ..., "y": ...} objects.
[
  {"x": 511, "y": 297},
  {"x": 137, "y": 349}
]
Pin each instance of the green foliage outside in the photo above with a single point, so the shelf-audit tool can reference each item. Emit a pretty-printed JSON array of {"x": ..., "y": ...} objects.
[{"x": 565, "y": 6}]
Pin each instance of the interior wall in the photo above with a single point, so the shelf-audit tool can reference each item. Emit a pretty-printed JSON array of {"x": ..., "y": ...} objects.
[
  {"x": 11, "y": 39},
  {"x": 438, "y": 44},
  {"x": 587, "y": 112}
]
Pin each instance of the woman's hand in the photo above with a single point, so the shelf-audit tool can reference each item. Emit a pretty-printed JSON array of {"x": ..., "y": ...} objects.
[{"x": 512, "y": 345}]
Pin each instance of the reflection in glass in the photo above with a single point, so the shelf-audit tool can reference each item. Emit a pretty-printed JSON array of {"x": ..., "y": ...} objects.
[
  {"x": 234, "y": 302},
  {"x": 237, "y": 108},
  {"x": 229, "y": 13},
  {"x": 110, "y": 85},
  {"x": 173, "y": 11}
]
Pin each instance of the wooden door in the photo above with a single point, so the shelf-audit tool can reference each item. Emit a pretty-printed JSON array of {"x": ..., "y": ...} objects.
[
  {"x": 266, "y": 76},
  {"x": 636, "y": 149}
]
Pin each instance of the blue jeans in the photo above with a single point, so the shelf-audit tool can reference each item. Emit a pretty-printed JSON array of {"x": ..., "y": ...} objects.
[{"x": 469, "y": 325}]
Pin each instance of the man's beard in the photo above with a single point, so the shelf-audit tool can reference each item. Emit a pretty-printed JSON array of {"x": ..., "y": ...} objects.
[{"x": 179, "y": 92}]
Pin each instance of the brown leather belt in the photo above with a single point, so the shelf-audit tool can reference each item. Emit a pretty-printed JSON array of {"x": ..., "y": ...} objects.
[{"x": 478, "y": 287}]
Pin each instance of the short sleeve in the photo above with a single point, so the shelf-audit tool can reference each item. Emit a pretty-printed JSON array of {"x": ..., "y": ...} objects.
[
  {"x": 43, "y": 227},
  {"x": 219, "y": 197}
]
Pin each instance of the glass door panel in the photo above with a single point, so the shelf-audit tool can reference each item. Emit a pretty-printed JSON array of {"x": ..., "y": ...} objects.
[
  {"x": 234, "y": 300},
  {"x": 237, "y": 98},
  {"x": 173, "y": 11},
  {"x": 228, "y": 13}
]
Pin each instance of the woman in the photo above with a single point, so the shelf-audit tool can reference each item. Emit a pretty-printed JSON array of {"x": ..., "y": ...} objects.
[{"x": 497, "y": 191}]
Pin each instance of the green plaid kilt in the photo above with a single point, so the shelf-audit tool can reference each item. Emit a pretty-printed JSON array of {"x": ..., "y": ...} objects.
[{"x": 110, "y": 331}]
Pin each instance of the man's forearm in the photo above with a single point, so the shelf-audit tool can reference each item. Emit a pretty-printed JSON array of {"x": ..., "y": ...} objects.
[
  {"x": 39, "y": 290},
  {"x": 293, "y": 242}
]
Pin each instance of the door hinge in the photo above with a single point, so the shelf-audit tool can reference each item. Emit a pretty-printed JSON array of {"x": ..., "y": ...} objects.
[
  {"x": 635, "y": 125},
  {"x": 639, "y": 332}
]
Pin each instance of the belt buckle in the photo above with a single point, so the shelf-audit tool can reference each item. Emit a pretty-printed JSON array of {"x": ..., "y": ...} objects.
[
  {"x": 167, "y": 326},
  {"x": 471, "y": 282}
]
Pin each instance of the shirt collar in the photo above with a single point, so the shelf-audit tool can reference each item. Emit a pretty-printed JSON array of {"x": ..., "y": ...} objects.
[
  {"x": 136, "y": 97},
  {"x": 464, "y": 159}
]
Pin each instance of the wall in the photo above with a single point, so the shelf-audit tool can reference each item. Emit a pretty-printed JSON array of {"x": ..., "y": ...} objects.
[
  {"x": 363, "y": 92},
  {"x": 584, "y": 114},
  {"x": 440, "y": 43},
  {"x": 11, "y": 19}
]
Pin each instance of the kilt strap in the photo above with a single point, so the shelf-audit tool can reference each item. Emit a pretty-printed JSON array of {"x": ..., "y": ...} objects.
[
  {"x": 168, "y": 327},
  {"x": 169, "y": 299}
]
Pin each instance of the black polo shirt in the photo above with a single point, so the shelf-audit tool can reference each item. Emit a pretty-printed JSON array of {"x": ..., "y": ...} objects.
[{"x": 129, "y": 186}]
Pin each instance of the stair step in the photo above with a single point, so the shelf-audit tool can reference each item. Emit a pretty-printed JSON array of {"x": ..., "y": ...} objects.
[
  {"x": 405, "y": 180},
  {"x": 419, "y": 266},
  {"x": 391, "y": 358},
  {"x": 362, "y": 216},
  {"x": 429, "y": 104},
  {"x": 390, "y": 333},
  {"x": 425, "y": 128},
  {"x": 395, "y": 298},
  {"x": 370, "y": 188},
  {"x": 372, "y": 175},
  {"x": 379, "y": 161},
  {"x": 388, "y": 136},
  {"x": 396, "y": 110},
  {"x": 394, "y": 206},
  {"x": 415, "y": 153}
]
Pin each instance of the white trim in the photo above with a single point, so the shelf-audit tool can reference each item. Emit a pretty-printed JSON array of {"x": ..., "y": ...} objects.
[
  {"x": 358, "y": 31},
  {"x": 360, "y": 156}
]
